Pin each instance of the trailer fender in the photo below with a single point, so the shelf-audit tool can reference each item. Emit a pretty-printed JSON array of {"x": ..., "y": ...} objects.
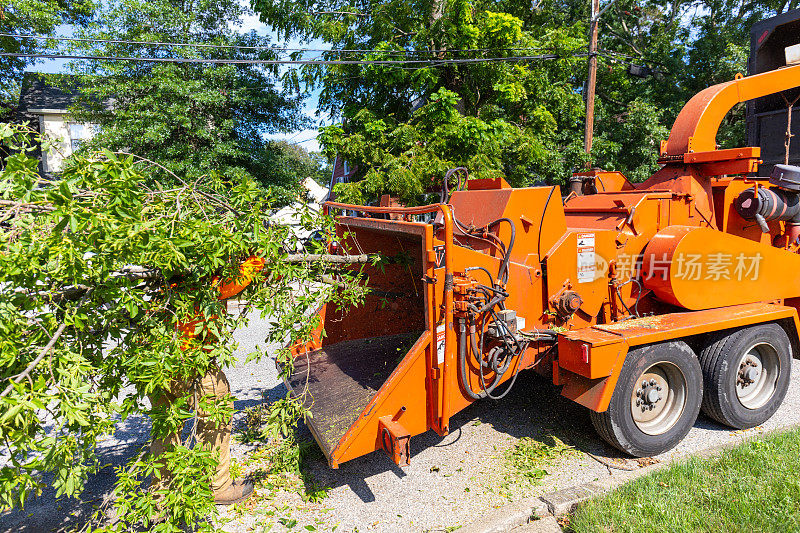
[{"x": 596, "y": 393}]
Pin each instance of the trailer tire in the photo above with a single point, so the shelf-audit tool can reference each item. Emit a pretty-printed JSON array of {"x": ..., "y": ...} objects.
[
  {"x": 672, "y": 365},
  {"x": 766, "y": 349}
]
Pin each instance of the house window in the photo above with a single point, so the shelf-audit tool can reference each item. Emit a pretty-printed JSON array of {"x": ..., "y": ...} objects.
[{"x": 80, "y": 133}]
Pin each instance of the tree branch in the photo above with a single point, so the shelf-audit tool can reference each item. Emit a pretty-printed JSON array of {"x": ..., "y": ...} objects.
[
  {"x": 24, "y": 205},
  {"x": 327, "y": 258},
  {"x": 25, "y": 373}
]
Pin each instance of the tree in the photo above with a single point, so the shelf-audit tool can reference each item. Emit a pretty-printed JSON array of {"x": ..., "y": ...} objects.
[
  {"x": 685, "y": 46},
  {"x": 80, "y": 322},
  {"x": 195, "y": 119},
  {"x": 40, "y": 17},
  {"x": 297, "y": 161},
  {"x": 516, "y": 116}
]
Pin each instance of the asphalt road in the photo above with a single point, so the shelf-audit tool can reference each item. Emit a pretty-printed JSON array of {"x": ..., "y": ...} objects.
[{"x": 450, "y": 482}]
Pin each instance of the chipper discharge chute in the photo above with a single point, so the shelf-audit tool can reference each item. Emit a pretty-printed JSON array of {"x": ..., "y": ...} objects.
[{"x": 643, "y": 302}]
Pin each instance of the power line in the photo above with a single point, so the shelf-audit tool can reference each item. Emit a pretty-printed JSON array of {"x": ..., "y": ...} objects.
[
  {"x": 256, "y": 48},
  {"x": 305, "y": 140},
  {"x": 429, "y": 62}
]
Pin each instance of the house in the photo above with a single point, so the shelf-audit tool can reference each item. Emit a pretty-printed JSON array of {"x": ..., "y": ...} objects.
[
  {"x": 343, "y": 172},
  {"x": 44, "y": 102}
]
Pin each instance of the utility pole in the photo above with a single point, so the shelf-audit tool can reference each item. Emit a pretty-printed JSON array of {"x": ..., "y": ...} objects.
[{"x": 590, "y": 83}]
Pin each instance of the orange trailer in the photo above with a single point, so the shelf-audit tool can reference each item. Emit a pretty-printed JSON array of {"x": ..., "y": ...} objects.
[{"x": 645, "y": 302}]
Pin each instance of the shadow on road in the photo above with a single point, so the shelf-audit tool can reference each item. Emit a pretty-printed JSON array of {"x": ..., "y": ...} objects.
[{"x": 45, "y": 513}]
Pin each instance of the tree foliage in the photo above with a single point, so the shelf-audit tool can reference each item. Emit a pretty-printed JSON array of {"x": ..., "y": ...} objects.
[
  {"x": 100, "y": 274},
  {"x": 195, "y": 119},
  {"x": 684, "y": 45},
  {"x": 294, "y": 160},
  {"x": 39, "y": 17},
  {"x": 411, "y": 123}
]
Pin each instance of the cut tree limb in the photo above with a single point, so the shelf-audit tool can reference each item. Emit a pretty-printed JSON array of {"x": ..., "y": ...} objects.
[
  {"x": 25, "y": 373},
  {"x": 327, "y": 258}
]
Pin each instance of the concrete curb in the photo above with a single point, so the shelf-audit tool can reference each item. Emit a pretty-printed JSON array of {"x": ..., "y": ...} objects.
[
  {"x": 548, "y": 524},
  {"x": 508, "y": 517},
  {"x": 538, "y": 515}
]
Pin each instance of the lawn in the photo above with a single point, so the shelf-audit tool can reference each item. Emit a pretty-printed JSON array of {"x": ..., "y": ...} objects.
[{"x": 753, "y": 487}]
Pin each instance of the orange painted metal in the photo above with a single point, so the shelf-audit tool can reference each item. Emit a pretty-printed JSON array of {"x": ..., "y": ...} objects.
[
  {"x": 249, "y": 268},
  {"x": 616, "y": 255},
  {"x": 695, "y": 129},
  {"x": 487, "y": 183},
  {"x": 607, "y": 181},
  {"x": 702, "y": 268}
]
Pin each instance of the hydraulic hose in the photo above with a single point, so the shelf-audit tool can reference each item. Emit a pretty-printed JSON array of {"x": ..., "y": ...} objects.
[
  {"x": 513, "y": 379},
  {"x": 541, "y": 223},
  {"x": 494, "y": 301},
  {"x": 497, "y": 243},
  {"x": 502, "y": 274},
  {"x": 501, "y": 357},
  {"x": 462, "y": 362},
  {"x": 491, "y": 279}
]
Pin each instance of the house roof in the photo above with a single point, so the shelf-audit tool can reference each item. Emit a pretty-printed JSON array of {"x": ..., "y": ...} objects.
[
  {"x": 51, "y": 92},
  {"x": 41, "y": 91}
]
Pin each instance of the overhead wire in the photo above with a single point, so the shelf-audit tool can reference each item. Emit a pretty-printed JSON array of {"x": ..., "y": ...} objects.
[
  {"x": 426, "y": 62},
  {"x": 260, "y": 48}
]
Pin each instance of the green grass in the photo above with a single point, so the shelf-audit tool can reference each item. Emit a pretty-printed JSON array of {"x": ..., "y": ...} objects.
[{"x": 751, "y": 488}]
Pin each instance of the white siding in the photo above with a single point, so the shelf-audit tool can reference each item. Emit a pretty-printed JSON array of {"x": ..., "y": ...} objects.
[{"x": 56, "y": 128}]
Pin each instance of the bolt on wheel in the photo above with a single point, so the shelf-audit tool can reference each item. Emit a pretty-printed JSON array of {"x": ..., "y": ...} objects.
[
  {"x": 659, "y": 399},
  {"x": 746, "y": 374},
  {"x": 758, "y": 373},
  {"x": 656, "y": 399}
]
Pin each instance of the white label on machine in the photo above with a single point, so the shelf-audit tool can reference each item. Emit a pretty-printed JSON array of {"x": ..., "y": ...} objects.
[
  {"x": 586, "y": 261},
  {"x": 440, "y": 335}
]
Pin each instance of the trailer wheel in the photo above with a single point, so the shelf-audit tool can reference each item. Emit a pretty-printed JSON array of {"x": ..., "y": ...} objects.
[
  {"x": 746, "y": 375},
  {"x": 655, "y": 402}
]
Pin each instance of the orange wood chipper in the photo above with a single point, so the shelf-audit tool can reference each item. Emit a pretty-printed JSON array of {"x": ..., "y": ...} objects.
[{"x": 644, "y": 302}]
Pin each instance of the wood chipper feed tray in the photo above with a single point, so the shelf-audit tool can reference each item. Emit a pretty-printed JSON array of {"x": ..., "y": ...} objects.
[{"x": 342, "y": 379}]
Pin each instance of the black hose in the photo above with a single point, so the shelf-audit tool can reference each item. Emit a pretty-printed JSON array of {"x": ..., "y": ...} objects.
[
  {"x": 445, "y": 194},
  {"x": 476, "y": 351},
  {"x": 495, "y": 290},
  {"x": 468, "y": 233},
  {"x": 513, "y": 378},
  {"x": 622, "y": 301},
  {"x": 638, "y": 296},
  {"x": 503, "y": 324},
  {"x": 541, "y": 223},
  {"x": 462, "y": 361},
  {"x": 491, "y": 279},
  {"x": 494, "y": 301},
  {"x": 549, "y": 334},
  {"x": 502, "y": 274}
]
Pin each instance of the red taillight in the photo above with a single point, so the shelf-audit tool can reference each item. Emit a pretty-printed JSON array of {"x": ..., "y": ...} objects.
[{"x": 585, "y": 353}]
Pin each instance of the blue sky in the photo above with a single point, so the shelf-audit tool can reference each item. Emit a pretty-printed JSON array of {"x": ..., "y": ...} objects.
[{"x": 305, "y": 138}]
